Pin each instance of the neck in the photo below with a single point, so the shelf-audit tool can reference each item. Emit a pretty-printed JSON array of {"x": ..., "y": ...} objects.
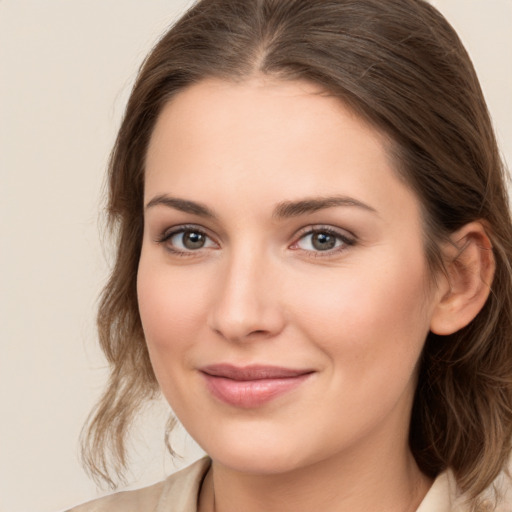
[{"x": 384, "y": 482}]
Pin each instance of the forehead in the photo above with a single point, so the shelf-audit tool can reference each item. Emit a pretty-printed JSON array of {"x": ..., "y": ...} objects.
[
  {"x": 252, "y": 107},
  {"x": 271, "y": 140}
]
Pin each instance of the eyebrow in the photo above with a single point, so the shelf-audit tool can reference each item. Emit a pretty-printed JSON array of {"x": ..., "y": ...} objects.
[
  {"x": 183, "y": 205},
  {"x": 283, "y": 210},
  {"x": 296, "y": 208}
]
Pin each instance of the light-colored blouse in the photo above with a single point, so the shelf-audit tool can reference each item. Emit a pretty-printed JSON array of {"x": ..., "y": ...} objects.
[{"x": 179, "y": 493}]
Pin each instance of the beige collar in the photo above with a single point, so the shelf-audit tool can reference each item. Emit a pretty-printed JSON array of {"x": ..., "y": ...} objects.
[{"x": 181, "y": 491}]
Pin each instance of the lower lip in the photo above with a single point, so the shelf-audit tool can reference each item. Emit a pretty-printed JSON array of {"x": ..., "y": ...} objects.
[{"x": 248, "y": 394}]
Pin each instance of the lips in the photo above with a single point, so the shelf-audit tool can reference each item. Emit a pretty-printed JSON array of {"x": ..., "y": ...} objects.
[{"x": 251, "y": 386}]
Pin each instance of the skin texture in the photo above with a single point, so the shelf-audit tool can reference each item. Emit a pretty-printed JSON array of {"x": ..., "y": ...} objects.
[{"x": 259, "y": 292}]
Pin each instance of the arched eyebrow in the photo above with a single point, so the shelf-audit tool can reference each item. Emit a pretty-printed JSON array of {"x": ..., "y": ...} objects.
[
  {"x": 283, "y": 210},
  {"x": 288, "y": 209},
  {"x": 182, "y": 205}
]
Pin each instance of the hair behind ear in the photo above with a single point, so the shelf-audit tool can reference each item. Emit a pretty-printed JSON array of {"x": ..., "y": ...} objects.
[{"x": 462, "y": 412}]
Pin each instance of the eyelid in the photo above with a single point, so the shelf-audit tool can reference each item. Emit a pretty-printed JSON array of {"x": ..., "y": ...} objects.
[
  {"x": 168, "y": 233},
  {"x": 347, "y": 238}
]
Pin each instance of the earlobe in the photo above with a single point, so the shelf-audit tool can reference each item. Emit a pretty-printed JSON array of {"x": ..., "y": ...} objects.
[{"x": 470, "y": 265}]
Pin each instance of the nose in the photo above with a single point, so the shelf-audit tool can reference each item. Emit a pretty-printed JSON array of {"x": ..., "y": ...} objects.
[{"x": 246, "y": 303}]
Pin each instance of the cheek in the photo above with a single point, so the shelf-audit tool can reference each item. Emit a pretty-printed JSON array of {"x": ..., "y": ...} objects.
[
  {"x": 172, "y": 311},
  {"x": 375, "y": 316},
  {"x": 371, "y": 326}
]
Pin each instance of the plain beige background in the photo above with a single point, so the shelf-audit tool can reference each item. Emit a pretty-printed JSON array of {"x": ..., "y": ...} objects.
[{"x": 66, "y": 70}]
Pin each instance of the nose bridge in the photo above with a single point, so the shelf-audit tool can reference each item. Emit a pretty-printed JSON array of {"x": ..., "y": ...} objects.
[{"x": 246, "y": 304}]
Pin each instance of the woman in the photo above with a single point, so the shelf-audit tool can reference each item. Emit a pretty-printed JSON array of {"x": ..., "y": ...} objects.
[{"x": 313, "y": 264}]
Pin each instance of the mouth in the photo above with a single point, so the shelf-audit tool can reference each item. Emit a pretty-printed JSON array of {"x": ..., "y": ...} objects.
[{"x": 251, "y": 386}]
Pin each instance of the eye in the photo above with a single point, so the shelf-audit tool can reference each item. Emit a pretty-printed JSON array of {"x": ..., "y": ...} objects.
[
  {"x": 323, "y": 240},
  {"x": 186, "y": 239}
]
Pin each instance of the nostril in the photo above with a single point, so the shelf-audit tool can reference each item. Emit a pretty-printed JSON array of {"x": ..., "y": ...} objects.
[{"x": 238, "y": 334}]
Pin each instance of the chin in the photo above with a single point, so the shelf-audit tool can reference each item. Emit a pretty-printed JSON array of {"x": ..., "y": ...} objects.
[
  {"x": 257, "y": 452},
  {"x": 258, "y": 462}
]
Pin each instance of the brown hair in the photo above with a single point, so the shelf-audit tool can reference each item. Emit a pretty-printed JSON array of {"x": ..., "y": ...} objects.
[{"x": 400, "y": 65}]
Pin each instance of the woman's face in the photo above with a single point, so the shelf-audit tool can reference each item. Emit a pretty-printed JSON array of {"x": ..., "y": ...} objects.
[{"x": 282, "y": 285}]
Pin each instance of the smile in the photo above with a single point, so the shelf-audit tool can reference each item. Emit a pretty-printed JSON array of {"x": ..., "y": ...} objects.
[{"x": 251, "y": 386}]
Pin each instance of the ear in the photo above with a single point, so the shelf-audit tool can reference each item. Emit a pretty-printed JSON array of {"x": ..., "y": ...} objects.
[{"x": 470, "y": 265}]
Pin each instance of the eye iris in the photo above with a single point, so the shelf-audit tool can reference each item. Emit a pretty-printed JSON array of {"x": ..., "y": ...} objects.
[
  {"x": 193, "y": 240},
  {"x": 323, "y": 241}
]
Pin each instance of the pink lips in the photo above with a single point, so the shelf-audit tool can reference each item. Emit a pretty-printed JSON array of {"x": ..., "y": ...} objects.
[{"x": 251, "y": 386}]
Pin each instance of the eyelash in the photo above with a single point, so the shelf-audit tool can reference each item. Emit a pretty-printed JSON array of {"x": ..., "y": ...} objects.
[
  {"x": 167, "y": 235},
  {"x": 346, "y": 241}
]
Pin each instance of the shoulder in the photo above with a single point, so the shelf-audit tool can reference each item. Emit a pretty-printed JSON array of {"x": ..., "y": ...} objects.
[
  {"x": 177, "y": 492},
  {"x": 145, "y": 499},
  {"x": 444, "y": 496}
]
